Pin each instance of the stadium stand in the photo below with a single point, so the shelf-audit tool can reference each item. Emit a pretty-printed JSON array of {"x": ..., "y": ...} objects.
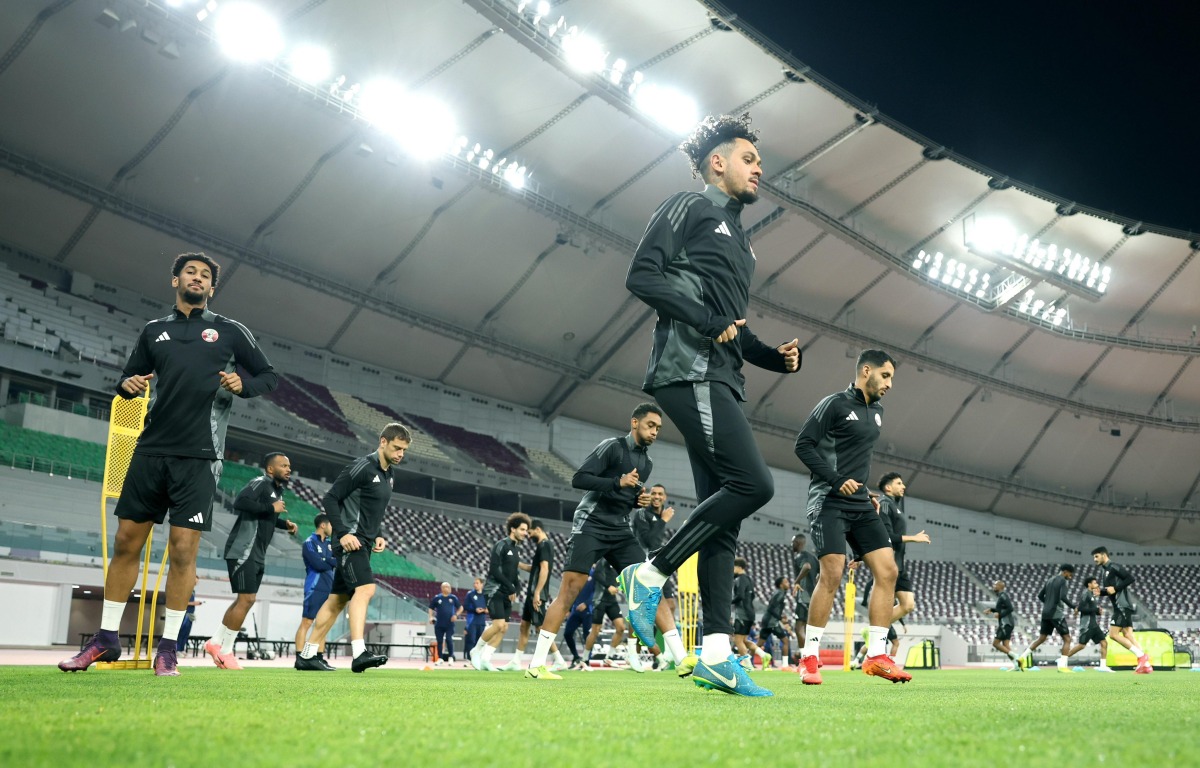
[
  {"x": 551, "y": 462},
  {"x": 373, "y": 415},
  {"x": 485, "y": 449},
  {"x": 292, "y": 398}
]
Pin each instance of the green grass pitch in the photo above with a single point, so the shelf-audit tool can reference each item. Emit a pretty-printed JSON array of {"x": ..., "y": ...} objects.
[{"x": 279, "y": 717}]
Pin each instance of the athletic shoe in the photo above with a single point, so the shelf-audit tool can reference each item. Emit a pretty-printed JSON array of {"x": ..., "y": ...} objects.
[
  {"x": 576, "y": 664},
  {"x": 635, "y": 663},
  {"x": 883, "y": 666},
  {"x": 641, "y": 603},
  {"x": 766, "y": 660},
  {"x": 745, "y": 662},
  {"x": 541, "y": 673},
  {"x": 810, "y": 672},
  {"x": 99, "y": 648},
  {"x": 476, "y": 656},
  {"x": 1143, "y": 666},
  {"x": 586, "y": 668},
  {"x": 222, "y": 660},
  {"x": 439, "y": 663},
  {"x": 559, "y": 665},
  {"x": 1065, "y": 669},
  {"x": 686, "y": 667},
  {"x": 166, "y": 663},
  {"x": 511, "y": 666},
  {"x": 729, "y": 677},
  {"x": 365, "y": 660},
  {"x": 312, "y": 664},
  {"x": 325, "y": 665},
  {"x": 488, "y": 666},
  {"x": 1103, "y": 669}
]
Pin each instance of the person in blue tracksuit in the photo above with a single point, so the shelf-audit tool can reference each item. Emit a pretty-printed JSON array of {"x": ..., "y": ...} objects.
[
  {"x": 443, "y": 610},
  {"x": 319, "y": 563},
  {"x": 475, "y": 608},
  {"x": 580, "y": 618}
]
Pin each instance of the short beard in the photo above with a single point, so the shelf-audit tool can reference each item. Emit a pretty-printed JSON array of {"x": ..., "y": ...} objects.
[
  {"x": 747, "y": 196},
  {"x": 194, "y": 299}
]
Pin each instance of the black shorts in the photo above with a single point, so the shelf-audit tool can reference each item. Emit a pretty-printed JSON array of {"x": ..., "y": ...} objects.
[
  {"x": 801, "y": 613},
  {"x": 1004, "y": 631},
  {"x": 1054, "y": 626},
  {"x": 156, "y": 485},
  {"x": 833, "y": 528},
  {"x": 668, "y": 590},
  {"x": 775, "y": 629},
  {"x": 904, "y": 582},
  {"x": 586, "y": 547},
  {"x": 607, "y": 608},
  {"x": 245, "y": 578},
  {"x": 1092, "y": 635},
  {"x": 891, "y": 635},
  {"x": 353, "y": 570},
  {"x": 1121, "y": 618},
  {"x": 742, "y": 626},
  {"x": 535, "y": 617},
  {"x": 313, "y": 602},
  {"x": 499, "y": 607}
]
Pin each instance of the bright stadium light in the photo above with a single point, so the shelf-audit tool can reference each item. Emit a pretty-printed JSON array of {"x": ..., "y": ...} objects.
[
  {"x": 673, "y": 109},
  {"x": 999, "y": 241},
  {"x": 582, "y": 52},
  {"x": 422, "y": 125},
  {"x": 248, "y": 33},
  {"x": 310, "y": 63}
]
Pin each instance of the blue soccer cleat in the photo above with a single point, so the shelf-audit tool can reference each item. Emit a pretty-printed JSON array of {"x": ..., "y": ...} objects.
[
  {"x": 728, "y": 676},
  {"x": 642, "y": 603}
]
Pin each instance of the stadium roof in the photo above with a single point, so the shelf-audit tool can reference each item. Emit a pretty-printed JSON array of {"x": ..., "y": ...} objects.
[{"x": 130, "y": 135}]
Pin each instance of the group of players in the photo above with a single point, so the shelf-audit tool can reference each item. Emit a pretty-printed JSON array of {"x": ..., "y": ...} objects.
[
  {"x": 1054, "y": 599},
  {"x": 694, "y": 267}
]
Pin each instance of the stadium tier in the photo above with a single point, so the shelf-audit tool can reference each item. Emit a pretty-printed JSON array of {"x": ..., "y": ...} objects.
[
  {"x": 485, "y": 449},
  {"x": 298, "y": 401},
  {"x": 373, "y": 416}
]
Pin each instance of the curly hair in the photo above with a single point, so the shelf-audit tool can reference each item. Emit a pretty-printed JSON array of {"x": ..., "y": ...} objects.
[
  {"x": 182, "y": 259},
  {"x": 712, "y": 132}
]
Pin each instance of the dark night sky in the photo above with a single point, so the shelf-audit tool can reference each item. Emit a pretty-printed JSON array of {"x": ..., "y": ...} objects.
[{"x": 1095, "y": 102}]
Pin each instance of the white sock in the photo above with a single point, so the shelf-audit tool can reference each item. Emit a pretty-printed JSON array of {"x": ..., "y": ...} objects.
[
  {"x": 517, "y": 656},
  {"x": 171, "y": 625},
  {"x": 674, "y": 643},
  {"x": 1024, "y": 653},
  {"x": 812, "y": 640},
  {"x": 478, "y": 643},
  {"x": 310, "y": 650},
  {"x": 357, "y": 647},
  {"x": 651, "y": 576},
  {"x": 110, "y": 619},
  {"x": 716, "y": 649},
  {"x": 227, "y": 637},
  {"x": 1103, "y": 662},
  {"x": 558, "y": 657},
  {"x": 542, "y": 649},
  {"x": 1061, "y": 661},
  {"x": 758, "y": 652},
  {"x": 876, "y": 640},
  {"x": 488, "y": 650},
  {"x": 1137, "y": 651}
]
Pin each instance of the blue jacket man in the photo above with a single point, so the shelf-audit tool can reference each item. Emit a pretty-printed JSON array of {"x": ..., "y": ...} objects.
[{"x": 443, "y": 609}]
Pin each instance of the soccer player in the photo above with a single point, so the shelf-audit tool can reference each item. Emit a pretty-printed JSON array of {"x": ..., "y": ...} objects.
[
  {"x": 444, "y": 608},
  {"x": 650, "y": 527},
  {"x": 319, "y": 565},
  {"x": 1005, "y": 619},
  {"x": 195, "y": 355},
  {"x": 475, "y": 607},
  {"x": 537, "y": 596},
  {"x": 355, "y": 504},
  {"x": 259, "y": 507},
  {"x": 1089, "y": 624},
  {"x": 805, "y": 569},
  {"x": 835, "y": 444},
  {"x": 605, "y": 578},
  {"x": 773, "y": 623},
  {"x": 580, "y": 618},
  {"x": 613, "y": 478},
  {"x": 743, "y": 616},
  {"x": 891, "y": 510},
  {"x": 1053, "y": 595},
  {"x": 1117, "y": 580},
  {"x": 501, "y": 589},
  {"x": 694, "y": 266}
]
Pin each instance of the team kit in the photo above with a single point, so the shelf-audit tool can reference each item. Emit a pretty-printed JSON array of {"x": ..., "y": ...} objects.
[{"x": 693, "y": 267}]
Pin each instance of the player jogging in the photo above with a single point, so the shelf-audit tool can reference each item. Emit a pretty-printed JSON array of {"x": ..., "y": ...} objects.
[
  {"x": 1117, "y": 580},
  {"x": 1006, "y": 618},
  {"x": 1089, "y": 624},
  {"x": 1053, "y": 595}
]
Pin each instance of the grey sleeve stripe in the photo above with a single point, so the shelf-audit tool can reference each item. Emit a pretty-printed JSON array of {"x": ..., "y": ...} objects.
[
  {"x": 704, "y": 406},
  {"x": 677, "y": 218},
  {"x": 819, "y": 412}
]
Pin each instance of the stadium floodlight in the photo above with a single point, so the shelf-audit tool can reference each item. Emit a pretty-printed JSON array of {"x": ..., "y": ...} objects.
[
  {"x": 248, "y": 33},
  {"x": 617, "y": 72},
  {"x": 583, "y": 52},
  {"x": 998, "y": 240},
  {"x": 310, "y": 63},
  {"x": 420, "y": 124},
  {"x": 209, "y": 8},
  {"x": 515, "y": 175},
  {"x": 670, "y": 108}
]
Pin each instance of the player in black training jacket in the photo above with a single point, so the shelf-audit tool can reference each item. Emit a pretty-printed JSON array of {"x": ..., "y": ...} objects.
[
  {"x": 1005, "y": 620},
  {"x": 613, "y": 477},
  {"x": 694, "y": 266},
  {"x": 258, "y": 506},
  {"x": 1089, "y": 623},
  {"x": 805, "y": 570},
  {"x": 743, "y": 617},
  {"x": 1053, "y": 596},
  {"x": 500, "y": 588},
  {"x": 537, "y": 596},
  {"x": 1117, "y": 580},
  {"x": 355, "y": 504},
  {"x": 891, "y": 511},
  {"x": 835, "y": 444},
  {"x": 192, "y": 357}
]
